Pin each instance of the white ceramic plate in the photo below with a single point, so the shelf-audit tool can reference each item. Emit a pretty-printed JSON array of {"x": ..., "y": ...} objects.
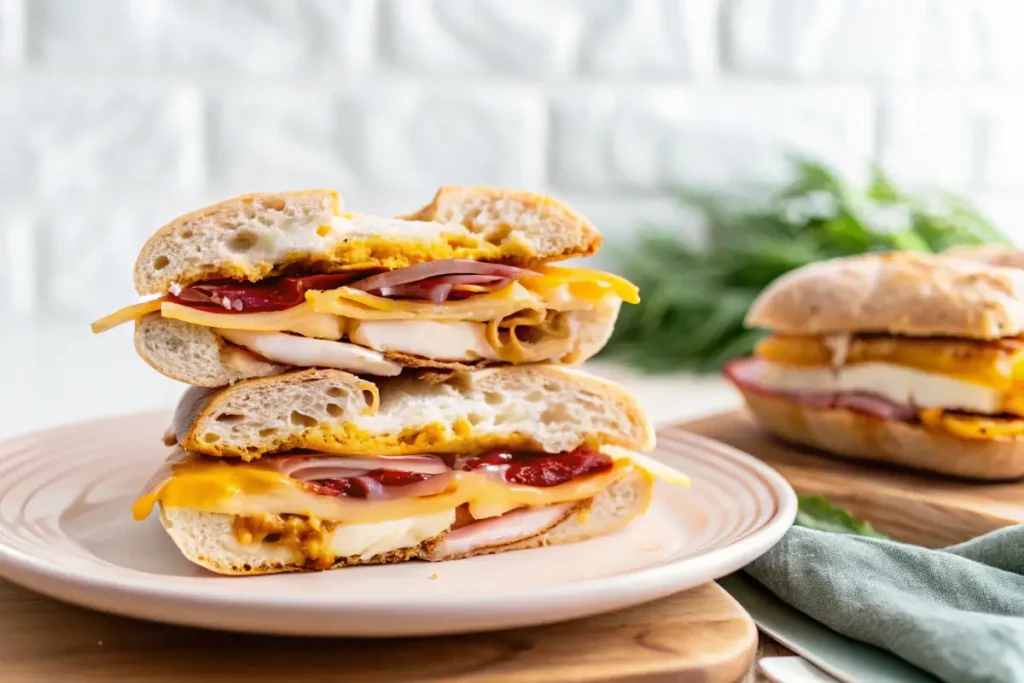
[{"x": 66, "y": 531}]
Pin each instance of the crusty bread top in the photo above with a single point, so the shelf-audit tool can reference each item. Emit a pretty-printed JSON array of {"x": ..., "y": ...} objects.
[
  {"x": 1008, "y": 257},
  {"x": 260, "y": 235},
  {"x": 540, "y": 407},
  {"x": 894, "y": 293},
  {"x": 221, "y": 240}
]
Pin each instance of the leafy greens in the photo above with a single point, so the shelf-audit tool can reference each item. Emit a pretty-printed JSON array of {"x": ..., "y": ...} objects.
[
  {"x": 694, "y": 298},
  {"x": 817, "y": 512}
]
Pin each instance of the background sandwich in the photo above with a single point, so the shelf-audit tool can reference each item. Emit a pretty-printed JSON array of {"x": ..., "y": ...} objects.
[
  {"x": 903, "y": 358},
  {"x": 315, "y": 469},
  {"x": 263, "y": 283}
]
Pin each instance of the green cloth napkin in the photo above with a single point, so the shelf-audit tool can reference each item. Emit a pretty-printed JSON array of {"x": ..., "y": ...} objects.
[{"x": 957, "y": 612}]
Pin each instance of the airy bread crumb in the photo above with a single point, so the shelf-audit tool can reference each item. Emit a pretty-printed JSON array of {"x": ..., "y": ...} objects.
[
  {"x": 260, "y": 235},
  {"x": 550, "y": 408}
]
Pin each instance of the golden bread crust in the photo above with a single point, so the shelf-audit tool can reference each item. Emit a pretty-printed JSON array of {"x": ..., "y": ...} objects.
[
  {"x": 197, "y": 413},
  {"x": 895, "y": 293},
  {"x": 259, "y": 235},
  {"x": 195, "y": 355},
  {"x": 849, "y": 434},
  {"x": 476, "y": 207},
  {"x": 146, "y": 283}
]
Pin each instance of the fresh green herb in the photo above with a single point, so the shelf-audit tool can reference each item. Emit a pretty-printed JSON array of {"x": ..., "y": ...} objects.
[
  {"x": 817, "y": 512},
  {"x": 694, "y": 298}
]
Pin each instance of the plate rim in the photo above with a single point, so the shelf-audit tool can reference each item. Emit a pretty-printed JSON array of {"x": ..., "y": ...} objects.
[{"x": 37, "y": 574}]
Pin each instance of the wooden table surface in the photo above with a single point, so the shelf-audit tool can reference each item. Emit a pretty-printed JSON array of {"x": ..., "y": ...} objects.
[
  {"x": 44, "y": 640},
  {"x": 700, "y": 635},
  {"x": 911, "y": 506}
]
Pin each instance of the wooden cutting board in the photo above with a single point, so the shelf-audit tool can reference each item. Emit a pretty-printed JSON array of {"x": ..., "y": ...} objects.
[
  {"x": 915, "y": 507},
  {"x": 700, "y": 635}
]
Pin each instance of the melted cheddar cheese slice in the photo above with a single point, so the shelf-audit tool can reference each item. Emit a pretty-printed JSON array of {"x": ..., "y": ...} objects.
[
  {"x": 982, "y": 381},
  {"x": 582, "y": 283},
  {"x": 359, "y": 305},
  {"x": 977, "y": 427},
  {"x": 126, "y": 315},
  {"x": 995, "y": 364},
  {"x": 250, "y": 488},
  {"x": 322, "y": 315},
  {"x": 301, "y": 319}
]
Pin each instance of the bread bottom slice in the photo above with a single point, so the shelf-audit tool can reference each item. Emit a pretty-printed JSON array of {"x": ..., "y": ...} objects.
[
  {"x": 849, "y": 434},
  {"x": 198, "y": 356},
  {"x": 210, "y": 539}
]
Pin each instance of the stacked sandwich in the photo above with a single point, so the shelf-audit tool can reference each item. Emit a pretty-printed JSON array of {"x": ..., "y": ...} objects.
[
  {"x": 369, "y": 390},
  {"x": 902, "y": 358}
]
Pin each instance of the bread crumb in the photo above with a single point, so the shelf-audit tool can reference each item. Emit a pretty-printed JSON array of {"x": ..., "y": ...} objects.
[
  {"x": 99, "y": 643},
  {"x": 432, "y": 577}
]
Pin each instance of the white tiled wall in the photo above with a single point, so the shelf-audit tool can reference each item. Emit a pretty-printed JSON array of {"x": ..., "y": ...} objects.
[{"x": 115, "y": 115}]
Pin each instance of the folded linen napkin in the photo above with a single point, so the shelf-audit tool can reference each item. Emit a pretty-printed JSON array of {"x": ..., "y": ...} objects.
[{"x": 957, "y": 612}]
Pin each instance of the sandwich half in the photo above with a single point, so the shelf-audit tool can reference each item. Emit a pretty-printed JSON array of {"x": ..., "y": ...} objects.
[
  {"x": 264, "y": 283},
  {"x": 900, "y": 358},
  {"x": 318, "y": 469}
]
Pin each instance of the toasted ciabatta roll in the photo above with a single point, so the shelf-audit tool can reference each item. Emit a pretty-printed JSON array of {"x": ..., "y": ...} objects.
[
  {"x": 549, "y": 408},
  {"x": 897, "y": 293},
  {"x": 258, "y": 235},
  {"x": 226, "y": 543},
  {"x": 902, "y": 358},
  {"x": 263, "y": 283}
]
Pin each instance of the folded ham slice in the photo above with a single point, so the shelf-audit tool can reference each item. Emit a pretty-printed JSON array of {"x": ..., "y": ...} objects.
[
  {"x": 745, "y": 372},
  {"x": 433, "y": 269},
  {"x": 497, "y": 531}
]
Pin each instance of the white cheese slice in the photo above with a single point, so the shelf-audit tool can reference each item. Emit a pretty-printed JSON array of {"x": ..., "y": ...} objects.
[
  {"x": 896, "y": 383},
  {"x": 654, "y": 468},
  {"x": 450, "y": 341},
  {"x": 367, "y": 540},
  {"x": 305, "y": 352}
]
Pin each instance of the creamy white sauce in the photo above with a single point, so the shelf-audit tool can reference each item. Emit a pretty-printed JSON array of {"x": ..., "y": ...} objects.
[{"x": 900, "y": 384}]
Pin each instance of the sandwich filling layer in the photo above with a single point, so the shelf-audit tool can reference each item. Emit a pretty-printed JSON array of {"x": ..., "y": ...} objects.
[
  {"x": 459, "y": 311},
  {"x": 324, "y": 507},
  {"x": 964, "y": 386},
  {"x": 357, "y": 489},
  {"x": 317, "y": 542}
]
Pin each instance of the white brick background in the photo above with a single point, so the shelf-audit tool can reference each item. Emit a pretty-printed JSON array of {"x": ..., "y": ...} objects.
[{"x": 116, "y": 115}]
